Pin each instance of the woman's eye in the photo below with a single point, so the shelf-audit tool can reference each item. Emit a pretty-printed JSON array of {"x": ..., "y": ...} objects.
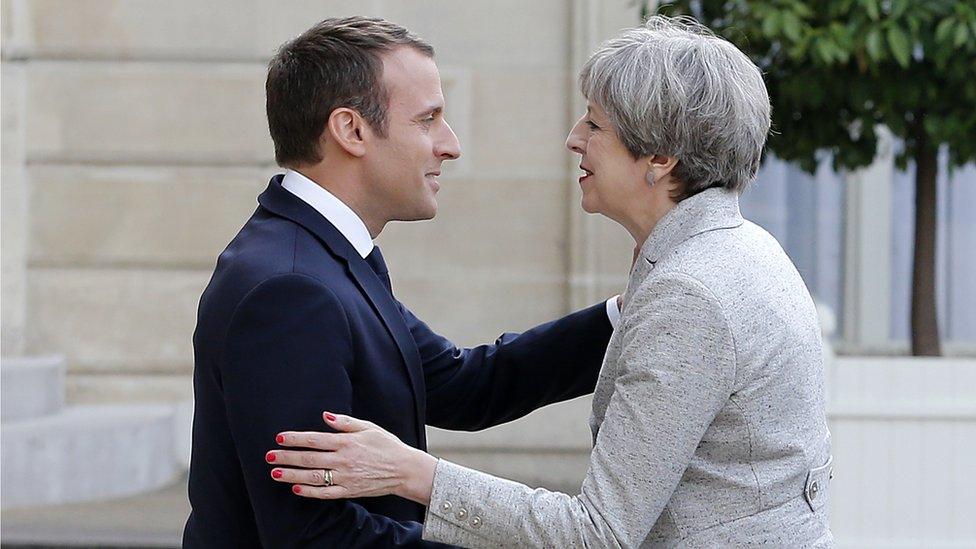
[{"x": 591, "y": 125}]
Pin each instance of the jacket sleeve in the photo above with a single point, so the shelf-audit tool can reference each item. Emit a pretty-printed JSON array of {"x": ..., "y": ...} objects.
[
  {"x": 476, "y": 388},
  {"x": 675, "y": 373},
  {"x": 286, "y": 358}
]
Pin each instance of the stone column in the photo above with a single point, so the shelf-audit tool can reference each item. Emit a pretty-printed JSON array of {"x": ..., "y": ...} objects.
[
  {"x": 599, "y": 249},
  {"x": 14, "y": 199}
]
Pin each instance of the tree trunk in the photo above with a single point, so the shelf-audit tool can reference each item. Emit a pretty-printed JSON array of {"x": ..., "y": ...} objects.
[{"x": 925, "y": 322}]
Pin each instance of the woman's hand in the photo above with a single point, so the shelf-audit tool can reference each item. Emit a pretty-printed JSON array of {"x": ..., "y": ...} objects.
[{"x": 360, "y": 460}]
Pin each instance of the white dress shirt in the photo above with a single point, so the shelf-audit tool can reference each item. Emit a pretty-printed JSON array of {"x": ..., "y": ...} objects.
[
  {"x": 332, "y": 209},
  {"x": 352, "y": 227}
]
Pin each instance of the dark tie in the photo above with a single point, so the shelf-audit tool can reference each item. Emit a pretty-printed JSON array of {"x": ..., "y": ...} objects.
[{"x": 376, "y": 262}]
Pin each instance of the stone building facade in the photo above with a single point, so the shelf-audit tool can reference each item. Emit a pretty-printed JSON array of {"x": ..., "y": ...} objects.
[{"x": 135, "y": 144}]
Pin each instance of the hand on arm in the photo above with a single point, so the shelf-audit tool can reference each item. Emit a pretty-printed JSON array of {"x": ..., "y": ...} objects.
[
  {"x": 287, "y": 355},
  {"x": 675, "y": 369},
  {"x": 366, "y": 461}
]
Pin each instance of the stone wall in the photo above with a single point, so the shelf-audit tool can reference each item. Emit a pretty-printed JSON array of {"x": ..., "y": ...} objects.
[{"x": 134, "y": 145}]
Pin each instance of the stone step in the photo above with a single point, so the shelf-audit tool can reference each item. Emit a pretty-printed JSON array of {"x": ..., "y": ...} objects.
[
  {"x": 153, "y": 519},
  {"x": 31, "y": 387},
  {"x": 87, "y": 453}
]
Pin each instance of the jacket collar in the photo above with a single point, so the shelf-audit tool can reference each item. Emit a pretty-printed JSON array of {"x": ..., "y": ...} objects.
[
  {"x": 708, "y": 210},
  {"x": 279, "y": 201}
]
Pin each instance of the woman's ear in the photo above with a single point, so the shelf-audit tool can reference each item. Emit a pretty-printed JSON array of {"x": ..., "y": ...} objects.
[
  {"x": 660, "y": 167},
  {"x": 348, "y": 129}
]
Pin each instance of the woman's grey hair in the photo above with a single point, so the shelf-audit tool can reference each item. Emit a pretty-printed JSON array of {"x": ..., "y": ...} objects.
[{"x": 671, "y": 87}]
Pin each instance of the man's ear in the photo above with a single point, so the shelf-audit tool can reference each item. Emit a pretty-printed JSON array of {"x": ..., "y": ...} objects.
[
  {"x": 348, "y": 129},
  {"x": 660, "y": 167}
]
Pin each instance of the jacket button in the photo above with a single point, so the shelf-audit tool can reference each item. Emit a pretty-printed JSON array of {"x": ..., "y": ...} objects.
[
  {"x": 462, "y": 512},
  {"x": 814, "y": 488},
  {"x": 476, "y": 522},
  {"x": 446, "y": 506}
]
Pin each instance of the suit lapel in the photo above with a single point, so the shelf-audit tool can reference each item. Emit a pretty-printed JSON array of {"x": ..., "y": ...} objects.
[
  {"x": 281, "y": 202},
  {"x": 384, "y": 304}
]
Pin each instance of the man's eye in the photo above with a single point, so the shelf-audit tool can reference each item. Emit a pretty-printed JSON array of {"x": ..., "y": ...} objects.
[{"x": 591, "y": 125}]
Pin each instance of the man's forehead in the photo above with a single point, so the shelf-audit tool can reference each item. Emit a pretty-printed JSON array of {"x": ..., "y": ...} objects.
[
  {"x": 406, "y": 64},
  {"x": 412, "y": 77}
]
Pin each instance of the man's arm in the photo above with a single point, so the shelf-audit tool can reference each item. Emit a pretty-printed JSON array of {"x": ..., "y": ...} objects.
[
  {"x": 476, "y": 388},
  {"x": 286, "y": 359}
]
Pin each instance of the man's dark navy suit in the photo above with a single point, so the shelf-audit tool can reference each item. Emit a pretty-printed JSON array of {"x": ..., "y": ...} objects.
[{"x": 295, "y": 322}]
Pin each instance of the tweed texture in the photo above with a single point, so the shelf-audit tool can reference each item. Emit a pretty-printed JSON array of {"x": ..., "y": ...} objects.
[{"x": 708, "y": 421}]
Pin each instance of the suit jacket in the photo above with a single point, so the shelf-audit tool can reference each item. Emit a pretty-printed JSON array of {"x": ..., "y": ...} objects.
[
  {"x": 708, "y": 420},
  {"x": 295, "y": 322}
]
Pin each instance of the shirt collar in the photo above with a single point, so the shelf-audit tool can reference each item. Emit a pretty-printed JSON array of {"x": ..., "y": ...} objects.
[{"x": 332, "y": 209}]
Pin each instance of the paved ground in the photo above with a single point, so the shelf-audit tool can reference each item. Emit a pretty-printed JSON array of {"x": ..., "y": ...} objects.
[{"x": 149, "y": 520}]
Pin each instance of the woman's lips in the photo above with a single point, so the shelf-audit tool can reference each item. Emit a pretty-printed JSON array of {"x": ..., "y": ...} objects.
[{"x": 586, "y": 173}]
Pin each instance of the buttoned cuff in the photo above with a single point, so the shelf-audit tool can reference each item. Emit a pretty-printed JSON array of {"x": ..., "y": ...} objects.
[
  {"x": 453, "y": 517},
  {"x": 613, "y": 312}
]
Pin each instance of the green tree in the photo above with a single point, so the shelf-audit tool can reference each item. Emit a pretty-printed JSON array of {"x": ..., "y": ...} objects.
[{"x": 839, "y": 69}]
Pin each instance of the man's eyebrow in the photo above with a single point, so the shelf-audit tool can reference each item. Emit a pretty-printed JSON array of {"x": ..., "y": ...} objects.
[{"x": 435, "y": 109}]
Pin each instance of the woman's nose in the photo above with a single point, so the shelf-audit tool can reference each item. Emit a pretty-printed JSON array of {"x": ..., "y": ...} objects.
[{"x": 575, "y": 141}]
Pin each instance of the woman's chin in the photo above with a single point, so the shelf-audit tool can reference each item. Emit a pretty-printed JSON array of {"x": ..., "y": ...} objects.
[{"x": 588, "y": 206}]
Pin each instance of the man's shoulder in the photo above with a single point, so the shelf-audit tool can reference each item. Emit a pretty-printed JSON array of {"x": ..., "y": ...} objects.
[
  {"x": 266, "y": 249},
  {"x": 269, "y": 245}
]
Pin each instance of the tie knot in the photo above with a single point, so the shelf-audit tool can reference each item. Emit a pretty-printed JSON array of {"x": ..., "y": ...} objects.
[{"x": 376, "y": 262}]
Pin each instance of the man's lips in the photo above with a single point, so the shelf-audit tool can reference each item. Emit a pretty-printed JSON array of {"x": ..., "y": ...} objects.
[{"x": 432, "y": 178}]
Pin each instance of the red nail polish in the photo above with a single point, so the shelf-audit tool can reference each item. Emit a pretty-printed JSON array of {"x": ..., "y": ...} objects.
[
  {"x": 330, "y": 417},
  {"x": 270, "y": 456},
  {"x": 276, "y": 473},
  {"x": 297, "y": 489},
  {"x": 280, "y": 439}
]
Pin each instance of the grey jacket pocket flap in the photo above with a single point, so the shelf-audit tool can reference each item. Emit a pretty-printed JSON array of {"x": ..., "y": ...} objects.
[{"x": 816, "y": 490}]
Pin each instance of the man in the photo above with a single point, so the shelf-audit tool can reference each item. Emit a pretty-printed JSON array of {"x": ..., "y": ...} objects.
[{"x": 299, "y": 316}]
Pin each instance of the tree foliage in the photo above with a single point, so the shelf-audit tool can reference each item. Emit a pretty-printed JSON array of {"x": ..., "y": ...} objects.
[{"x": 836, "y": 69}]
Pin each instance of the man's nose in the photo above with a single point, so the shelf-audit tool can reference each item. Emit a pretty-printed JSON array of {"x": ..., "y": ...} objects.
[
  {"x": 448, "y": 147},
  {"x": 575, "y": 141}
]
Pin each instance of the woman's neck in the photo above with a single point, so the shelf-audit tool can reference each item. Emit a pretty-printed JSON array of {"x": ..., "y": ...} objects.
[{"x": 640, "y": 222}]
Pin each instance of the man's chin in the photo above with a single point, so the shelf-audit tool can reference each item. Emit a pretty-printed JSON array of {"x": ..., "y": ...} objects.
[{"x": 420, "y": 215}]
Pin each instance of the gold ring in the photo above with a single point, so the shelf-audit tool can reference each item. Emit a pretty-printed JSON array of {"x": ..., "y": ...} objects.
[{"x": 327, "y": 476}]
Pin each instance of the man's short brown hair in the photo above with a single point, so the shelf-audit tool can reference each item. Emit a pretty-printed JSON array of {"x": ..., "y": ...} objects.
[{"x": 337, "y": 63}]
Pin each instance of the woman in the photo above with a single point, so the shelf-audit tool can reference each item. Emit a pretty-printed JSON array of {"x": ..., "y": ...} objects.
[{"x": 708, "y": 417}]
